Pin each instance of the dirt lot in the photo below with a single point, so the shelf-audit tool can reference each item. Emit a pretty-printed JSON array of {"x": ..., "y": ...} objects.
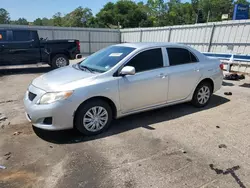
[{"x": 178, "y": 146}]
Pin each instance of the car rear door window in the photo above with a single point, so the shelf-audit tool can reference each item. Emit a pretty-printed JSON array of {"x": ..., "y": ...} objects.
[
  {"x": 3, "y": 36},
  {"x": 178, "y": 56},
  {"x": 147, "y": 60},
  {"x": 21, "y": 36}
]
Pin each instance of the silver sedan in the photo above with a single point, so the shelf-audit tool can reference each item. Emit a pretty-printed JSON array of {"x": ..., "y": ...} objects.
[{"x": 121, "y": 80}]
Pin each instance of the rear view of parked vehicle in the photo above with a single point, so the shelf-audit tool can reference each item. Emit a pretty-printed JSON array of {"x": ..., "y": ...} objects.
[
  {"x": 118, "y": 81},
  {"x": 20, "y": 47}
]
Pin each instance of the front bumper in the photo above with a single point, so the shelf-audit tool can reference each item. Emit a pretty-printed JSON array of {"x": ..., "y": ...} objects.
[{"x": 61, "y": 112}]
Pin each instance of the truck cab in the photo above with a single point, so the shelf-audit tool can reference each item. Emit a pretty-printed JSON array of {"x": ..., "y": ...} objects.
[{"x": 20, "y": 47}]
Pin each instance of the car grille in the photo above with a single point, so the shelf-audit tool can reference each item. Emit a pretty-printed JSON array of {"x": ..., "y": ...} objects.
[{"x": 31, "y": 96}]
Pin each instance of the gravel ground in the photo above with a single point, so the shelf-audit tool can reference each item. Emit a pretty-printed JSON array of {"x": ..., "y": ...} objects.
[{"x": 173, "y": 147}]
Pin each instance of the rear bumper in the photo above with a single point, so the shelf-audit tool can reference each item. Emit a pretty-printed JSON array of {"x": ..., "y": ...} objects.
[
  {"x": 74, "y": 54},
  {"x": 79, "y": 56},
  {"x": 218, "y": 79}
]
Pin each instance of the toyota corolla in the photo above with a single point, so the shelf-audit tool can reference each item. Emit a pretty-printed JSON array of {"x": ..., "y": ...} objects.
[{"x": 118, "y": 81}]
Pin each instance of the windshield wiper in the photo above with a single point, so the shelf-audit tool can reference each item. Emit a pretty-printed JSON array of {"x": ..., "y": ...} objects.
[{"x": 86, "y": 68}]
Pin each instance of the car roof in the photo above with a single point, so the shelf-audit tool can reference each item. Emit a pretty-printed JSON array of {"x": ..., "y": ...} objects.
[
  {"x": 144, "y": 45},
  {"x": 140, "y": 45}
]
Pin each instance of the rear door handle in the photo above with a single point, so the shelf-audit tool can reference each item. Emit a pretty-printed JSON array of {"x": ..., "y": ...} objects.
[{"x": 197, "y": 69}]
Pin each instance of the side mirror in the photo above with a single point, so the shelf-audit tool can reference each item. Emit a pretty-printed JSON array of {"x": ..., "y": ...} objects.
[{"x": 127, "y": 70}]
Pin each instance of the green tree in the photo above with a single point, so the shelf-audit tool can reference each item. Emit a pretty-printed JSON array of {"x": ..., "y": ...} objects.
[
  {"x": 215, "y": 8},
  {"x": 94, "y": 23},
  {"x": 124, "y": 13},
  {"x": 20, "y": 21},
  {"x": 156, "y": 7},
  {"x": 106, "y": 16},
  {"x": 157, "y": 11},
  {"x": 47, "y": 22},
  {"x": 78, "y": 18},
  {"x": 4, "y": 16},
  {"x": 38, "y": 21},
  {"x": 43, "y": 22},
  {"x": 57, "y": 19},
  {"x": 195, "y": 5}
]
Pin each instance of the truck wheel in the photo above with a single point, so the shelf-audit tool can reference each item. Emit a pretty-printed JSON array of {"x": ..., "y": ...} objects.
[
  {"x": 93, "y": 117},
  {"x": 59, "y": 60}
]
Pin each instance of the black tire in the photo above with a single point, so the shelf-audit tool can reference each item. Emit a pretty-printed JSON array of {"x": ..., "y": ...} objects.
[
  {"x": 56, "y": 58},
  {"x": 84, "y": 108},
  {"x": 195, "y": 100}
]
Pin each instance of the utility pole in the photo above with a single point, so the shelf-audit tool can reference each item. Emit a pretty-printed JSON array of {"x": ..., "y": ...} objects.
[
  {"x": 197, "y": 16},
  {"x": 208, "y": 16}
]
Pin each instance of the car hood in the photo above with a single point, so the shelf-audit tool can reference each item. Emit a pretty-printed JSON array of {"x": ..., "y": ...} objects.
[{"x": 56, "y": 80}]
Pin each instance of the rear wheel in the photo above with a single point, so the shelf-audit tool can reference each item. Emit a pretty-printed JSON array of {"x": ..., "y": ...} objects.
[
  {"x": 93, "y": 117},
  {"x": 59, "y": 60},
  {"x": 202, "y": 94}
]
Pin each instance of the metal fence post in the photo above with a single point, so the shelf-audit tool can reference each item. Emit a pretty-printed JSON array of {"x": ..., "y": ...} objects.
[
  {"x": 89, "y": 43},
  {"x": 141, "y": 35},
  {"x": 53, "y": 34},
  {"x": 211, "y": 38},
  {"x": 120, "y": 36},
  {"x": 169, "y": 35}
]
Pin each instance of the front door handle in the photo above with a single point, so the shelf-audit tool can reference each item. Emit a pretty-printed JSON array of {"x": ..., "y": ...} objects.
[
  {"x": 162, "y": 75},
  {"x": 196, "y": 69}
]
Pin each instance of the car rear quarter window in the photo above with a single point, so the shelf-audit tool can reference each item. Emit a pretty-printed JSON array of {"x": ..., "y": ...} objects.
[
  {"x": 178, "y": 56},
  {"x": 147, "y": 60},
  {"x": 3, "y": 36},
  {"x": 21, "y": 36}
]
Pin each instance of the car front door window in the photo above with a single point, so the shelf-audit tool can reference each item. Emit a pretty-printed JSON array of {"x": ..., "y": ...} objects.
[{"x": 147, "y": 60}]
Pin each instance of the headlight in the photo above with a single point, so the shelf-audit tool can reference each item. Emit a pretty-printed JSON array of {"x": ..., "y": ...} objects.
[{"x": 48, "y": 98}]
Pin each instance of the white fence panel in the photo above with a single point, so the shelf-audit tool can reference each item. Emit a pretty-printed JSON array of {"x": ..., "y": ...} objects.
[{"x": 224, "y": 37}]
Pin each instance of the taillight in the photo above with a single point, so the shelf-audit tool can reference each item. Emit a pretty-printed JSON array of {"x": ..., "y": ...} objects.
[
  {"x": 221, "y": 66},
  {"x": 78, "y": 45}
]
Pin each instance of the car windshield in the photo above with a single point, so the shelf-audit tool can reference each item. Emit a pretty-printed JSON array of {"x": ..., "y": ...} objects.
[{"x": 105, "y": 59}]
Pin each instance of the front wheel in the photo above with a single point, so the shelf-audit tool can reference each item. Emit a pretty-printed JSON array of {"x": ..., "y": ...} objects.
[
  {"x": 202, "y": 94},
  {"x": 93, "y": 117},
  {"x": 59, "y": 60}
]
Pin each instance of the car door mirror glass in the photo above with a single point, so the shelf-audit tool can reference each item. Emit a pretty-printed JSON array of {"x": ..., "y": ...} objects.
[{"x": 127, "y": 70}]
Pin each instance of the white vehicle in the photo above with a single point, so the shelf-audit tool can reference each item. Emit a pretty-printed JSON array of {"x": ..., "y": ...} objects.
[{"x": 121, "y": 80}]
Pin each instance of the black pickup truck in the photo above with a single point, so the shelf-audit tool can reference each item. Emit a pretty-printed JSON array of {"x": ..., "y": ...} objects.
[{"x": 20, "y": 47}]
